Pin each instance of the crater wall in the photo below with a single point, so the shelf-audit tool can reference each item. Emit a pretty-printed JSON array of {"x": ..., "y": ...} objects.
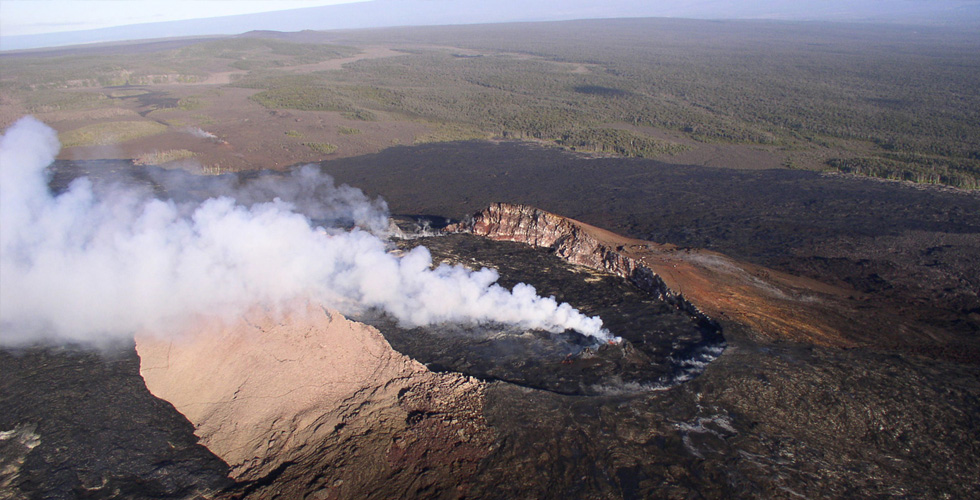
[{"x": 574, "y": 242}]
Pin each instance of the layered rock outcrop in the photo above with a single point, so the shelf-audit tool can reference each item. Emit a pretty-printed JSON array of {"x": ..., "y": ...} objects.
[{"x": 574, "y": 242}]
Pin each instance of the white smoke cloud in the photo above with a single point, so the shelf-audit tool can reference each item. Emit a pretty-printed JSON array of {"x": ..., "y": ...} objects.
[
  {"x": 200, "y": 133},
  {"x": 93, "y": 265}
]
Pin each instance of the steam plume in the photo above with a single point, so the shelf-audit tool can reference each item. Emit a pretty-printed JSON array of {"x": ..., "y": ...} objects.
[
  {"x": 93, "y": 265},
  {"x": 202, "y": 134}
]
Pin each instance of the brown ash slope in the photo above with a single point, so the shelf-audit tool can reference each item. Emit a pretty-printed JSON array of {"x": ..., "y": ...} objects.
[{"x": 307, "y": 402}]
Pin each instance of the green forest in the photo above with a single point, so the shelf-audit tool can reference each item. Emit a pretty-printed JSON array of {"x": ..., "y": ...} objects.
[
  {"x": 890, "y": 101},
  {"x": 910, "y": 101}
]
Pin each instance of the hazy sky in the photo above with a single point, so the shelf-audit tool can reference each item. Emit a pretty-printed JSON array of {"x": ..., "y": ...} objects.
[
  {"x": 43, "y": 23},
  {"x": 26, "y": 17}
]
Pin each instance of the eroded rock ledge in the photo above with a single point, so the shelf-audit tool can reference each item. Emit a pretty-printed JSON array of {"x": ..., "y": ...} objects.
[{"x": 574, "y": 242}]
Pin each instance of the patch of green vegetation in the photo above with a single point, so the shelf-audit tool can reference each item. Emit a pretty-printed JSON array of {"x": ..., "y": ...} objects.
[
  {"x": 302, "y": 93},
  {"x": 203, "y": 120},
  {"x": 321, "y": 147},
  {"x": 294, "y": 133},
  {"x": 254, "y": 53},
  {"x": 127, "y": 93},
  {"x": 307, "y": 99},
  {"x": 45, "y": 101},
  {"x": 451, "y": 132},
  {"x": 906, "y": 106},
  {"x": 964, "y": 173},
  {"x": 191, "y": 103},
  {"x": 732, "y": 82},
  {"x": 619, "y": 142},
  {"x": 377, "y": 96},
  {"x": 162, "y": 157},
  {"x": 348, "y": 130},
  {"x": 214, "y": 169},
  {"x": 360, "y": 114},
  {"x": 311, "y": 92},
  {"x": 103, "y": 134}
]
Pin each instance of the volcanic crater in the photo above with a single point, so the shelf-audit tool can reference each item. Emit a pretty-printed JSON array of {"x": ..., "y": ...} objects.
[{"x": 661, "y": 344}]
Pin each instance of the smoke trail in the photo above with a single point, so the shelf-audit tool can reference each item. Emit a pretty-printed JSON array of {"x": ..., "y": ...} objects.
[
  {"x": 94, "y": 265},
  {"x": 202, "y": 134}
]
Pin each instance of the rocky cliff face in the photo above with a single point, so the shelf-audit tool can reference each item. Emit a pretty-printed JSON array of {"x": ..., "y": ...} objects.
[
  {"x": 579, "y": 244},
  {"x": 532, "y": 226},
  {"x": 574, "y": 242}
]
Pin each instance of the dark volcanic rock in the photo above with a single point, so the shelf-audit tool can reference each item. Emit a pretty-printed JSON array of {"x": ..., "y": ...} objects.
[
  {"x": 776, "y": 421},
  {"x": 98, "y": 432}
]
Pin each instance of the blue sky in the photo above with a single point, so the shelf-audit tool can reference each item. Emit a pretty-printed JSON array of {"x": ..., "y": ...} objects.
[{"x": 28, "y": 17}]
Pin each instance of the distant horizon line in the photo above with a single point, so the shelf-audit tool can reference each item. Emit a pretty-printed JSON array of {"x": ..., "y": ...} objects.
[{"x": 77, "y": 38}]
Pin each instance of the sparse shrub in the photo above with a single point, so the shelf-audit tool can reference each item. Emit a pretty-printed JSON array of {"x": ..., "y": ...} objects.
[
  {"x": 161, "y": 157},
  {"x": 962, "y": 174},
  {"x": 447, "y": 132},
  {"x": 191, "y": 103},
  {"x": 306, "y": 98},
  {"x": 620, "y": 142},
  {"x": 321, "y": 147},
  {"x": 102, "y": 134},
  {"x": 214, "y": 169},
  {"x": 47, "y": 101},
  {"x": 360, "y": 114}
]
